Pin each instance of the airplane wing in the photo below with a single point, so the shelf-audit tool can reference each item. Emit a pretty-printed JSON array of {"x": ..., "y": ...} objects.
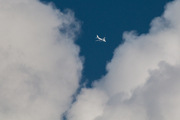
[{"x": 99, "y": 38}]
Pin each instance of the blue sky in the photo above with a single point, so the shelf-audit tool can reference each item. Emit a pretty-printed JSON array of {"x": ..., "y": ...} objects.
[{"x": 108, "y": 19}]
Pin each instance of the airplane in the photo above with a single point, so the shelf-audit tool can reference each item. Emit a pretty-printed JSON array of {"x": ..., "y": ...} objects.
[{"x": 100, "y": 39}]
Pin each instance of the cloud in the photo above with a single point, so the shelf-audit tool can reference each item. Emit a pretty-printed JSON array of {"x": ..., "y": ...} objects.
[
  {"x": 142, "y": 82},
  {"x": 90, "y": 103},
  {"x": 40, "y": 64},
  {"x": 157, "y": 99}
]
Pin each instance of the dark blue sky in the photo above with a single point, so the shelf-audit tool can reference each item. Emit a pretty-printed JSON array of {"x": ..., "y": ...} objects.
[{"x": 108, "y": 18}]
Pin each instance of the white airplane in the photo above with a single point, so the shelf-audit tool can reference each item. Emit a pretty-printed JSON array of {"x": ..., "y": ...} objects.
[{"x": 100, "y": 39}]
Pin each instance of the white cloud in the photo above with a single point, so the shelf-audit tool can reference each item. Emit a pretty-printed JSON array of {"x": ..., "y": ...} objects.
[
  {"x": 157, "y": 99},
  {"x": 40, "y": 64},
  {"x": 142, "y": 82},
  {"x": 90, "y": 104}
]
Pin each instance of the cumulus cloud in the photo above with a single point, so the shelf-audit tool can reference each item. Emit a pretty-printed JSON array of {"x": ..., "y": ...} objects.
[
  {"x": 142, "y": 82},
  {"x": 40, "y": 64},
  {"x": 89, "y": 105}
]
